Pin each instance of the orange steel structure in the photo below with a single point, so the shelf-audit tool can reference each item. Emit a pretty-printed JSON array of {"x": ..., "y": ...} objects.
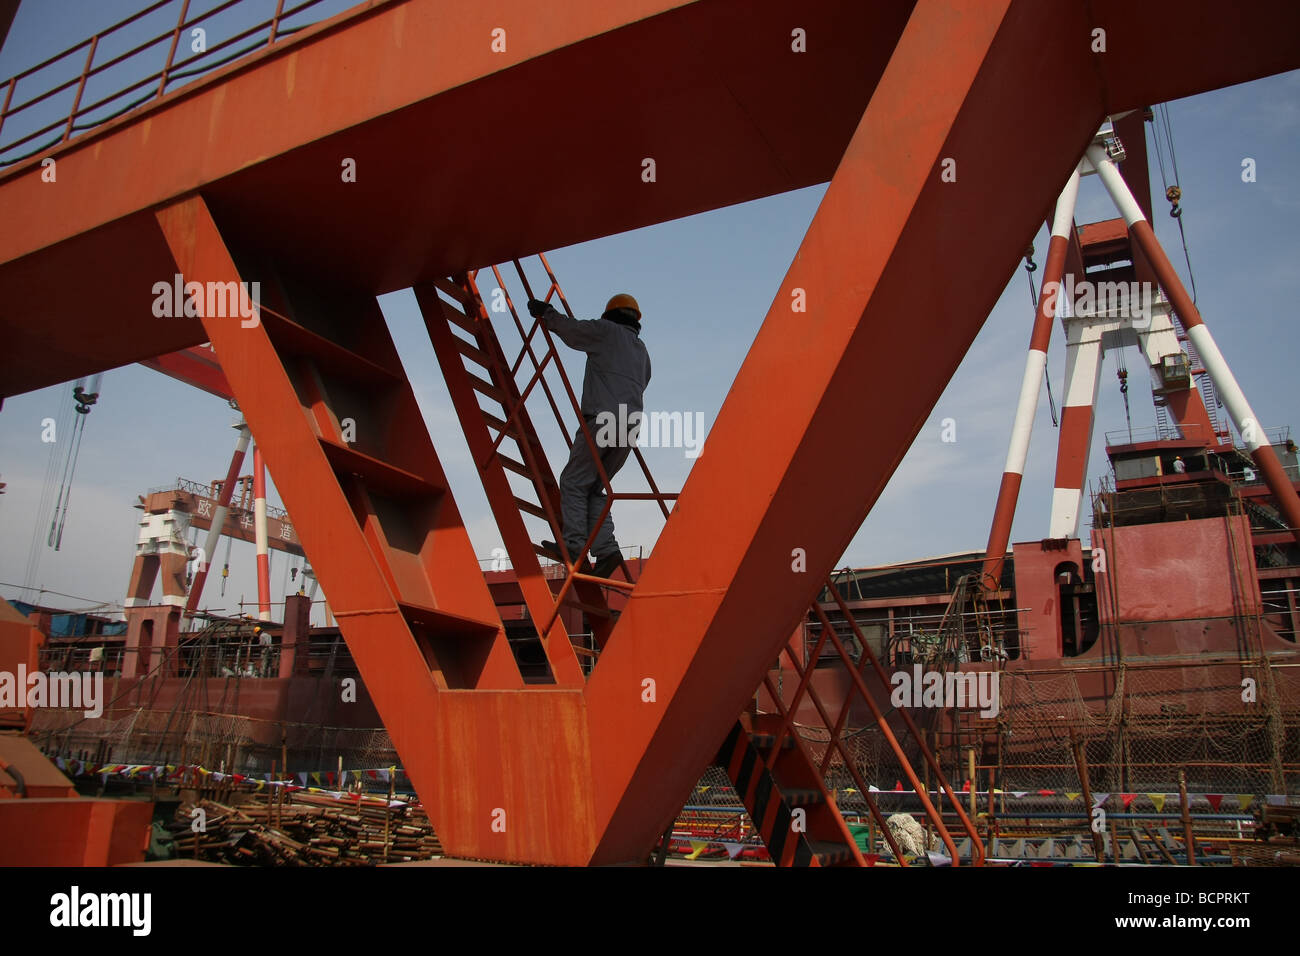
[{"x": 236, "y": 177}]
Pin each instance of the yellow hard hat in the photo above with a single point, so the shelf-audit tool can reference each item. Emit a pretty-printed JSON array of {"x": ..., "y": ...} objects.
[{"x": 623, "y": 301}]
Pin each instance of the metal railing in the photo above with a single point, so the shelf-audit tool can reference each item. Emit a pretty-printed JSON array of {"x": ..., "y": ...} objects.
[
  {"x": 1147, "y": 433},
  {"x": 213, "y": 490},
  {"x": 155, "y": 85}
]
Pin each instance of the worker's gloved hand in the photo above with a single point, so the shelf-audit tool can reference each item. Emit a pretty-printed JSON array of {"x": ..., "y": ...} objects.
[{"x": 537, "y": 308}]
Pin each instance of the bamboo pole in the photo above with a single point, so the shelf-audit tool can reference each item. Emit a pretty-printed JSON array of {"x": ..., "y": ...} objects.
[
  {"x": 1081, "y": 766},
  {"x": 970, "y": 766},
  {"x": 388, "y": 810},
  {"x": 1187, "y": 819}
]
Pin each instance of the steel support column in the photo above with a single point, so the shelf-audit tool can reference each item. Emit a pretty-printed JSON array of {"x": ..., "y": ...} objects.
[
  {"x": 769, "y": 498},
  {"x": 218, "y": 526},
  {"x": 1032, "y": 383}
]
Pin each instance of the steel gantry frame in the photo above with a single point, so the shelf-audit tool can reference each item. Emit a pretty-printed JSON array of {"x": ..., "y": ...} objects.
[{"x": 593, "y": 773}]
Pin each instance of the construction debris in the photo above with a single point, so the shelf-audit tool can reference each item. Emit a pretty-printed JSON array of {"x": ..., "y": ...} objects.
[
  {"x": 910, "y": 836},
  {"x": 303, "y": 829}
]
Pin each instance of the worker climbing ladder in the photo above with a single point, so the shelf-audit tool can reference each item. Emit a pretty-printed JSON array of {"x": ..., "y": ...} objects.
[{"x": 504, "y": 442}]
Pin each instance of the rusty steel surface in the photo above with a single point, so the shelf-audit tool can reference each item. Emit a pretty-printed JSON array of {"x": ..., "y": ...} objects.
[{"x": 594, "y": 774}]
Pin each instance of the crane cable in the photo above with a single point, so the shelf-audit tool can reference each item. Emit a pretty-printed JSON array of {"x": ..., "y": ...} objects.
[
  {"x": 62, "y": 424},
  {"x": 1030, "y": 267},
  {"x": 1173, "y": 193},
  {"x": 85, "y": 400},
  {"x": 1121, "y": 372}
]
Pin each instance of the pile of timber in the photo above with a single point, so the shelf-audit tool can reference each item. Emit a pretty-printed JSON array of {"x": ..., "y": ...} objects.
[{"x": 303, "y": 829}]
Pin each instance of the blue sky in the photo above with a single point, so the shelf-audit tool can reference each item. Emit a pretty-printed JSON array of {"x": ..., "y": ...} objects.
[{"x": 704, "y": 285}]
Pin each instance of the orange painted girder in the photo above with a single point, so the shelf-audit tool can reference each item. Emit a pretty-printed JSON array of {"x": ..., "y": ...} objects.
[
  {"x": 728, "y": 112},
  {"x": 899, "y": 269},
  {"x": 897, "y": 287}
]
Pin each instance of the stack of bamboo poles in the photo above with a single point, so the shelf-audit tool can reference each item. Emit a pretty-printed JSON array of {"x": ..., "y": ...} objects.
[{"x": 302, "y": 829}]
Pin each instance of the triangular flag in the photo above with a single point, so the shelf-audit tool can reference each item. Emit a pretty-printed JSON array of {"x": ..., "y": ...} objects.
[
  {"x": 1073, "y": 796},
  {"x": 1018, "y": 793},
  {"x": 1215, "y": 799},
  {"x": 849, "y": 790},
  {"x": 1244, "y": 800},
  {"x": 697, "y": 847},
  {"x": 965, "y": 787},
  {"x": 873, "y": 788},
  {"x": 898, "y": 786},
  {"x": 1098, "y": 799},
  {"x": 302, "y": 779},
  {"x": 1127, "y": 799},
  {"x": 315, "y": 777},
  {"x": 1158, "y": 800},
  {"x": 1047, "y": 793},
  {"x": 870, "y": 858},
  {"x": 733, "y": 849}
]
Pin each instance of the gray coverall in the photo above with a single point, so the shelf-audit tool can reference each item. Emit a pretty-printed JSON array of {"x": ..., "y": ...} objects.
[{"x": 618, "y": 370}]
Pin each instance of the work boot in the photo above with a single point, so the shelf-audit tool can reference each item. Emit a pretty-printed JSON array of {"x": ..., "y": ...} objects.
[
  {"x": 553, "y": 552},
  {"x": 606, "y": 564}
]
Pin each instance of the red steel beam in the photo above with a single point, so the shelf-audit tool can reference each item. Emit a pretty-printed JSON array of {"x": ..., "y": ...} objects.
[
  {"x": 196, "y": 366},
  {"x": 8, "y": 9},
  {"x": 264, "y": 139},
  {"x": 523, "y": 754},
  {"x": 876, "y": 319},
  {"x": 734, "y": 119},
  {"x": 595, "y": 776}
]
